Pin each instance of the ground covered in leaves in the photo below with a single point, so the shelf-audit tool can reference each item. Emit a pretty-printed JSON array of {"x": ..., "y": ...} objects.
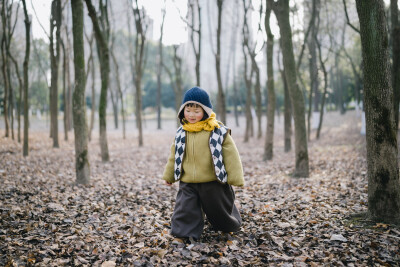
[{"x": 123, "y": 217}]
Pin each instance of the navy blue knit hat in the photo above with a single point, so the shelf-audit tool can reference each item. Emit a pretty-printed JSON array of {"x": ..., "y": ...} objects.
[{"x": 198, "y": 96}]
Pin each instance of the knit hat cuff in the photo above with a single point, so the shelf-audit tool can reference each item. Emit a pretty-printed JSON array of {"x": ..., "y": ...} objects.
[{"x": 206, "y": 109}]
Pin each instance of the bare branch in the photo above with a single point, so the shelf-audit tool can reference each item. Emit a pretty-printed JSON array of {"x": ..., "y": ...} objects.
[
  {"x": 41, "y": 25},
  {"x": 347, "y": 17}
]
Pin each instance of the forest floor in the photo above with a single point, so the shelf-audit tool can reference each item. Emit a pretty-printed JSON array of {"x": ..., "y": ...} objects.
[{"x": 123, "y": 217}]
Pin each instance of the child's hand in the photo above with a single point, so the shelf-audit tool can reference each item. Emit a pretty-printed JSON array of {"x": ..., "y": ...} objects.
[{"x": 167, "y": 183}]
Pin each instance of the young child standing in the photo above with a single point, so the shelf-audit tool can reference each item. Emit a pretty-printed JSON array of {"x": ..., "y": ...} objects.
[{"x": 205, "y": 160}]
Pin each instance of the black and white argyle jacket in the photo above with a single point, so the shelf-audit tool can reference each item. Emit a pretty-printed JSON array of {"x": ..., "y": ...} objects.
[{"x": 216, "y": 139}]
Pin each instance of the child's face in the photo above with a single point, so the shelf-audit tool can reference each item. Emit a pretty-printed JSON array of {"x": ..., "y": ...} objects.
[{"x": 193, "y": 113}]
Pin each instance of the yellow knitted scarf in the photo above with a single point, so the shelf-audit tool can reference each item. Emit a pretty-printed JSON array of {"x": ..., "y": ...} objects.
[{"x": 208, "y": 125}]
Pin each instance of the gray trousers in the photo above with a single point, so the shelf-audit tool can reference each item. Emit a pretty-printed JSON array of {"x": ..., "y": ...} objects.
[{"x": 214, "y": 199}]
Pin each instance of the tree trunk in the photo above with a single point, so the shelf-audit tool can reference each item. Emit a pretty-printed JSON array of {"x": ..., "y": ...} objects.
[
  {"x": 269, "y": 139},
  {"x": 287, "y": 114},
  {"x": 322, "y": 63},
  {"x": 139, "y": 55},
  {"x": 394, "y": 12},
  {"x": 21, "y": 85},
  {"x": 4, "y": 68},
  {"x": 102, "y": 36},
  {"x": 69, "y": 87},
  {"x": 64, "y": 70},
  {"x": 114, "y": 102},
  {"x": 221, "y": 95},
  {"x": 381, "y": 134},
  {"x": 55, "y": 24},
  {"x": 281, "y": 10},
  {"x": 120, "y": 94},
  {"x": 235, "y": 89},
  {"x": 159, "y": 71},
  {"x": 197, "y": 51},
  {"x": 79, "y": 106},
  {"x": 93, "y": 95},
  {"x": 26, "y": 80}
]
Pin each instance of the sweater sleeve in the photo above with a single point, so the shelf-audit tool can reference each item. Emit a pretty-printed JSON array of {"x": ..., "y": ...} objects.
[
  {"x": 232, "y": 162},
  {"x": 168, "y": 174}
]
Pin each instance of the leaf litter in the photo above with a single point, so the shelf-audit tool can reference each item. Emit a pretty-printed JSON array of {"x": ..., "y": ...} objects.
[{"x": 123, "y": 217}]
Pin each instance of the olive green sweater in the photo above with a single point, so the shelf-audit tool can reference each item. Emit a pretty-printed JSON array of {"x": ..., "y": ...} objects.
[{"x": 197, "y": 164}]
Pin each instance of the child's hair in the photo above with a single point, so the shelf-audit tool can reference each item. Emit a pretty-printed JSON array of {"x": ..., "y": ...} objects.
[{"x": 182, "y": 114}]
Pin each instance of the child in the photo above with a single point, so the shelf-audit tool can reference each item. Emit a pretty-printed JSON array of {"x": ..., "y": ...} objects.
[{"x": 205, "y": 160}]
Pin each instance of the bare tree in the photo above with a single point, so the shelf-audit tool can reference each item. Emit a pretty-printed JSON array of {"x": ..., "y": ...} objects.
[
  {"x": 281, "y": 10},
  {"x": 55, "y": 30},
  {"x": 159, "y": 68},
  {"x": 26, "y": 80},
  {"x": 381, "y": 132},
  {"x": 269, "y": 140},
  {"x": 79, "y": 108},
  {"x": 101, "y": 28},
  {"x": 221, "y": 95},
  {"x": 4, "y": 43},
  {"x": 247, "y": 77},
  {"x": 313, "y": 66},
  {"x": 139, "y": 57},
  {"x": 324, "y": 71},
  {"x": 195, "y": 11}
]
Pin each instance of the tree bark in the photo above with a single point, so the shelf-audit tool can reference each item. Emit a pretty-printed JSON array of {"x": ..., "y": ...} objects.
[
  {"x": 381, "y": 134},
  {"x": 281, "y": 10},
  {"x": 322, "y": 63},
  {"x": 269, "y": 139},
  {"x": 139, "y": 55},
  {"x": 19, "y": 105},
  {"x": 79, "y": 107},
  {"x": 64, "y": 81},
  {"x": 102, "y": 37},
  {"x": 247, "y": 77},
  {"x": 221, "y": 95},
  {"x": 5, "y": 67},
  {"x": 55, "y": 24},
  {"x": 159, "y": 70},
  {"x": 197, "y": 51},
  {"x": 394, "y": 14},
  {"x": 26, "y": 80}
]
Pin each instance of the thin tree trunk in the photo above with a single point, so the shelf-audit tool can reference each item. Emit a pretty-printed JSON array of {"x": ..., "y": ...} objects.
[
  {"x": 93, "y": 95},
  {"x": 4, "y": 68},
  {"x": 322, "y": 63},
  {"x": 26, "y": 80},
  {"x": 79, "y": 107},
  {"x": 281, "y": 10},
  {"x": 381, "y": 134},
  {"x": 139, "y": 55},
  {"x": 65, "y": 120},
  {"x": 197, "y": 51},
  {"x": 119, "y": 92},
  {"x": 21, "y": 85},
  {"x": 287, "y": 115},
  {"x": 55, "y": 24},
  {"x": 102, "y": 36},
  {"x": 269, "y": 139},
  {"x": 159, "y": 70},
  {"x": 221, "y": 94}
]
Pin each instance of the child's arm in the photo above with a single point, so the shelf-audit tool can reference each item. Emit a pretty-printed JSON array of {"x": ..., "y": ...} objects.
[
  {"x": 232, "y": 162},
  {"x": 168, "y": 174}
]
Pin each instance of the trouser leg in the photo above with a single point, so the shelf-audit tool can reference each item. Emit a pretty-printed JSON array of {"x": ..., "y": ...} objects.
[
  {"x": 187, "y": 219},
  {"x": 218, "y": 204}
]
